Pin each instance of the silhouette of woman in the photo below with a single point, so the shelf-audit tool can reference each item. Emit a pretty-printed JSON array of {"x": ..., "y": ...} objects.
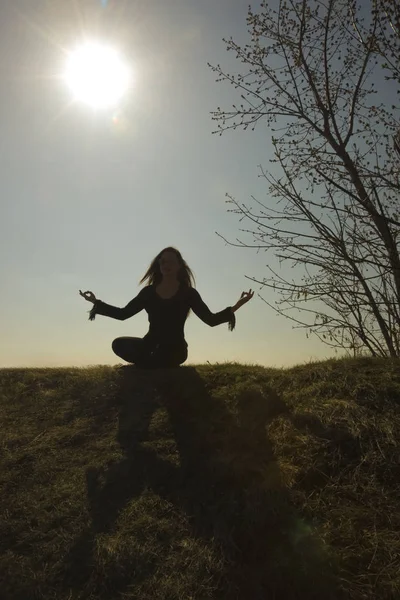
[{"x": 167, "y": 299}]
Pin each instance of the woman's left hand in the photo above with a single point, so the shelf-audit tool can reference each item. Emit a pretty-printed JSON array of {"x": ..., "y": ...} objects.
[{"x": 245, "y": 297}]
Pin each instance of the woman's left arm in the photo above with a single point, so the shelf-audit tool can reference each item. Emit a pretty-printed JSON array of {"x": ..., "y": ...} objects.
[
  {"x": 212, "y": 319},
  {"x": 245, "y": 297}
]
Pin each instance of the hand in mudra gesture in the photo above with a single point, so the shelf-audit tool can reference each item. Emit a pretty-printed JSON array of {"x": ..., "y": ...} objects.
[
  {"x": 89, "y": 296},
  {"x": 245, "y": 297}
]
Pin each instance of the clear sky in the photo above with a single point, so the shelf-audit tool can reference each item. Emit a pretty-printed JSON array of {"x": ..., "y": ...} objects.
[{"x": 87, "y": 203}]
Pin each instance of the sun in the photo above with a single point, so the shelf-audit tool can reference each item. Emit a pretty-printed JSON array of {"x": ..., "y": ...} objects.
[{"x": 97, "y": 75}]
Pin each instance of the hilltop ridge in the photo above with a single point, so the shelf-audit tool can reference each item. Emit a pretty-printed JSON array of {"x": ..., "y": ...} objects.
[{"x": 209, "y": 481}]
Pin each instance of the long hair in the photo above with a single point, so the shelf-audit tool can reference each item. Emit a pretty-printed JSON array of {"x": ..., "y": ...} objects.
[{"x": 154, "y": 275}]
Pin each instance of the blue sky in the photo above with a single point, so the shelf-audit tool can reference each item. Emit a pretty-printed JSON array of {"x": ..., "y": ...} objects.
[{"x": 87, "y": 204}]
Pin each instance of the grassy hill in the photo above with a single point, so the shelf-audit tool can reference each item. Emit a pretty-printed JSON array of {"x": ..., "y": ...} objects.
[{"x": 218, "y": 481}]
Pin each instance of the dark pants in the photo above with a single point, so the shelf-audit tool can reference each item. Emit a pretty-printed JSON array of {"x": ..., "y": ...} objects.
[{"x": 135, "y": 350}]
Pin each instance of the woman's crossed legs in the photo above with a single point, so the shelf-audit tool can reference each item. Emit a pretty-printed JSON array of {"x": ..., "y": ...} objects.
[{"x": 135, "y": 350}]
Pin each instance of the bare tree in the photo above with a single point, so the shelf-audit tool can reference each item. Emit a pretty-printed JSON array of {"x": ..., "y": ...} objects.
[
  {"x": 386, "y": 42},
  {"x": 311, "y": 73}
]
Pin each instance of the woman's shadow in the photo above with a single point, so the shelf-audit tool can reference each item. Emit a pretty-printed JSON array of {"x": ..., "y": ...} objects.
[{"x": 227, "y": 484}]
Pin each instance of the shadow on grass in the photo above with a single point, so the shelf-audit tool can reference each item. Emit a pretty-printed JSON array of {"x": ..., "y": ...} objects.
[{"x": 227, "y": 485}]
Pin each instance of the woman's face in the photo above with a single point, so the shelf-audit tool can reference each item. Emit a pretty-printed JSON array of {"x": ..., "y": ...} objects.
[{"x": 169, "y": 265}]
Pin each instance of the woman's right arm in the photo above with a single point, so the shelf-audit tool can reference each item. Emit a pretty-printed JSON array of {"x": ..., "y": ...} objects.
[{"x": 132, "y": 308}]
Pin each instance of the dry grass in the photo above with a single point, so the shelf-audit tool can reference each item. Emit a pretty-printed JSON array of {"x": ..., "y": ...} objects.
[{"x": 224, "y": 482}]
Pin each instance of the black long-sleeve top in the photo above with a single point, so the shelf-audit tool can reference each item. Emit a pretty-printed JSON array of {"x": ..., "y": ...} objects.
[{"x": 166, "y": 316}]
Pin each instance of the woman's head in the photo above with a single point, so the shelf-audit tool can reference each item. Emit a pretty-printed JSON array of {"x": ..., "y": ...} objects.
[{"x": 169, "y": 264}]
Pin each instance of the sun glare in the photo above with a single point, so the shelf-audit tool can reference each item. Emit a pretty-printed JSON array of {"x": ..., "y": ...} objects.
[{"x": 97, "y": 75}]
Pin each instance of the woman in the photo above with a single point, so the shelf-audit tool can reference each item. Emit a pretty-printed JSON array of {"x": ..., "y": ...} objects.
[{"x": 167, "y": 300}]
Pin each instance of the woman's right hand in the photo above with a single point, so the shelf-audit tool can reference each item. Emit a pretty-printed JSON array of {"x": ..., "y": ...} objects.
[{"x": 89, "y": 296}]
